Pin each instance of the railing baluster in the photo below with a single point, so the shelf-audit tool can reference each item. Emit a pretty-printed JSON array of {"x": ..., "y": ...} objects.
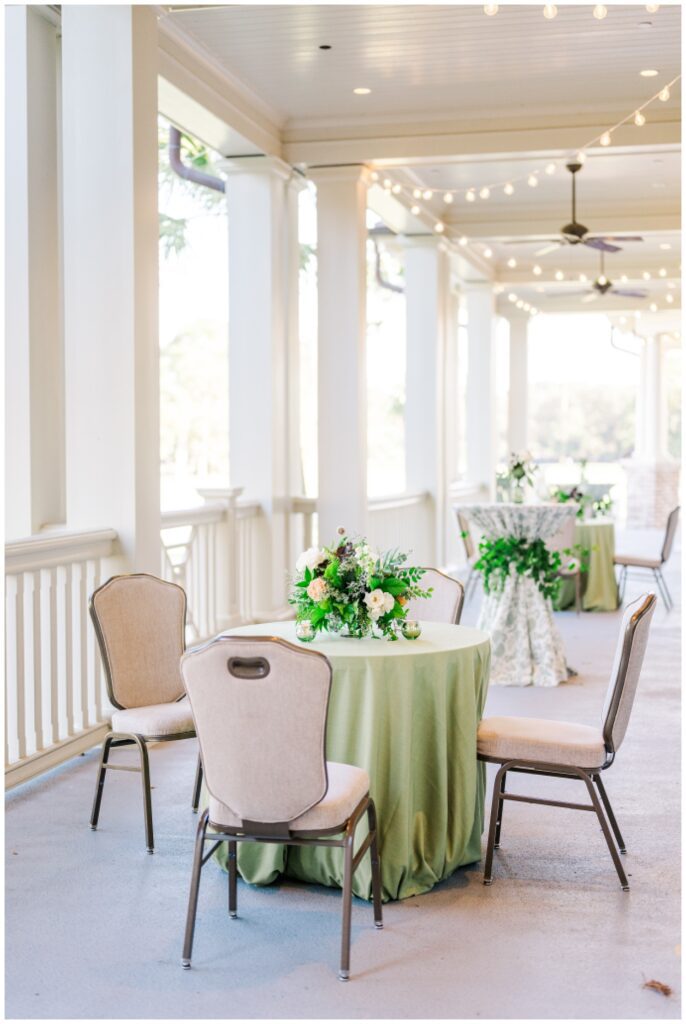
[
  {"x": 21, "y": 670},
  {"x": 54, "y": 663},
  {"x": 69, "y": 648},
  {"x": 83, "y": 642},
  {"x": 37, "y": 660},
  {"x": 11, "y": 672},
  {"x": 95, "y": 651}
]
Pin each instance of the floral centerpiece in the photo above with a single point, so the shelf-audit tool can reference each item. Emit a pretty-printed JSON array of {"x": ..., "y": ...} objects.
[
  {"x": 586, "y": 502},
  {"x": 348, "y": 588},
  {"x": 520, "y": 471}
]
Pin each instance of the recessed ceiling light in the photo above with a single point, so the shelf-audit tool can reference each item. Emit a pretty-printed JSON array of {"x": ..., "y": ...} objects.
[
  {"x": 363, "y": 91},
  {"x": 649, "y": 73}
]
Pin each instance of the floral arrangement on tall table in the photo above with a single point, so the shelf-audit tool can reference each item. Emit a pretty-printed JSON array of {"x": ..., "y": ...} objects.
[
  {"x": 588, "y": 505},
  {"x": 520, "y": 471},
  {"x": 348, "y": 588}
]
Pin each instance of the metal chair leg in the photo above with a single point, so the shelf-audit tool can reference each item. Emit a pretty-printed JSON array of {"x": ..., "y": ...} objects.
[
  {"x": 197, "y": 785},
  {"x": 610, "y": 813},
  {"x": 621, "y": 585},
  {"x": 497, "y": 791},
  {"x": 662, "y": 584},
  {"x": 376, "y": 865},
  {"x": 193, "y": 895},
  {"x": 100, "y": 781},
  {"x": 606, "y": 830},
  {"x": 501, "y": 805},
  {"x": 344, "y": 972},
  {"x": 577, "y": 593},
  {"x": 147, "y": 795},
  {"x": 233, "y": 880}
]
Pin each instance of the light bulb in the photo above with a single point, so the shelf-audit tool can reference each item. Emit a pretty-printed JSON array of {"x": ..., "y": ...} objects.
[
  {"x": 550, "y": 11},
  {"x": 374, "y": 175},
  {"x": 537, "y": 270},
  {"x": 639, "y": 119},
  {"x": 463, "y": 240},
  {"x": 600, "y": 11},
  {"x": 662, "y": 272},
  {"x": 396, "y": 189},
  {"x": 605, "y": 139},
  {"x": 414, "y": 210},
  {"x": 559, "y": 276},
  {"x": 532, "y": 181},
  {"x": 583, "y": 278},
  {"x": 670, "y": 297},
  {"x": 519, "y": 304},
  {"x": 387, "y": 183},
  {"x": 652, "y": 8},
  {"x": 624, "y": 279},
  {"x": 416, "y": 193},
  {"x": 653, "y": 307},
  {"x": 581, "y": 157},
  {"x": 439, "y": 227},
  {"x": 551, "y": 168},
  {"x": 470, "y": 196},
  {"x": 664, "y": 94},
  {"x": 646, "y": 275},
  {"x": 512, "y": 297},
  {"x": 488, "y": 253},
  {"x": 427, "y": 193},
  {"x": 534, "y": 311},
  {"x": 649, "y": 73},
  {"x": 490, "y": 9},
  {"x": 448, "y": 197},
  {"x": 485, "y": 192},
  {"x": 509, "y": 189},
  {"x": 512, "y": 262},
  {"x": 526, "y": 307},
  {"x": 602, "y": 279}
]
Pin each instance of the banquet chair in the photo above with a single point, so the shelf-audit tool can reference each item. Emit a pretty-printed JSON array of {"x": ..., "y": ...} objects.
[
  {"x": 260, "y": 707},
  {"x": 564, "y": 540},
  {"x": 470, "y": 551},
  {"x": 444, "y": 605},
  {"x": 140, "y": 624},
  {"x": 536, "y": 746},
  {"x": 635, "y": 563}
]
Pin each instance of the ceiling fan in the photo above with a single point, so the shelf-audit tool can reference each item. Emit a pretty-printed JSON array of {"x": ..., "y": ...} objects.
[
  {"x": 604, "y": 286},
  {"x": 575, "y": 233}
]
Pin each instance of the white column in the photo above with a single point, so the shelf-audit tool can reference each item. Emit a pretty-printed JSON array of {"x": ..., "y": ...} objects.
[
  {"x": 34, "y": 372},
  {"x": 517, "y": 421},
  {"x": 262, "y": 250},
  {"x": 427, "y": 278},
  {"x": 481, "y": 396},
  {"x": 650, "y": 417},
  {"x": 109, "y": 65},
  {"x": 342, "y": 388}
]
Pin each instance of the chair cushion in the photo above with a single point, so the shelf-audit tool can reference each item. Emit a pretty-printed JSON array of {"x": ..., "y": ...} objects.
[
  {"x": 155, "y": 719},
  {"x": 537, "y": 739},
  {"x": 641, "y": 563},
  {"x": 347, "y": 786}
]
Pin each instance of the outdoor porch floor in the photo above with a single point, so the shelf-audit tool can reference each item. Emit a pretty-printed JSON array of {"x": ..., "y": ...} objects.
[{"x": 95, "y": 925}]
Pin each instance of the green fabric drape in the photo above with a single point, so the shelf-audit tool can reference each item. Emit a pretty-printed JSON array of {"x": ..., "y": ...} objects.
[
  {"x": 598, "y": 585},
  {"x": 406, "y": 712}
]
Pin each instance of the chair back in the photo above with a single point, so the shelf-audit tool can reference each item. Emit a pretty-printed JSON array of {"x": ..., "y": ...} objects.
[
  {"x": 444, "y": 605},
  {"x": 465, "y": 534},
  {"x": 626, "y": 670},
  {"x": 565, "y": 536},
  {"x": 260, "y": 705},
  {"x": 140, "y": 623},
  {"x": 670, "y": 532}
]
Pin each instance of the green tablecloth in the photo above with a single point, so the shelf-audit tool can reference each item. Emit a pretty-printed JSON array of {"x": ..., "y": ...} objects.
[
  {"x": 599, "y": 587},
  {"x": 407, "y": 712}
]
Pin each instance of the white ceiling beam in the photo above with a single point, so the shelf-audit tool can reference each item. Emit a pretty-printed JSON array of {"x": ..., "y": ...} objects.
[{"x": 536, "y": 224}]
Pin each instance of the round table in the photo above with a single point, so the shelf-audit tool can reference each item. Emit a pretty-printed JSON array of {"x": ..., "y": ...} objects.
[
  {"x": 599, "y": 586},
  {"x": 527, "y": 649},
  {"x": 407, "y": 712}
]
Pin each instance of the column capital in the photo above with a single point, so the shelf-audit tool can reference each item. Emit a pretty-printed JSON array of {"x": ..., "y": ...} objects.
[
  {"x": 267, "y": 165},
  {"x": 352, "y": 173}
]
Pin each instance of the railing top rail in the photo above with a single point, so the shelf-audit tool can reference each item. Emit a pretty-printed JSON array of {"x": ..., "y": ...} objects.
[
  {"x": 211, "y": 512},
  {"x": 392, "y": 501},
  {"x": 57, "y": 547}
]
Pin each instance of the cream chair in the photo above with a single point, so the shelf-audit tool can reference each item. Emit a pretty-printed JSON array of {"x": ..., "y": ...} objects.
[
  {"x": 635, "y": 563},
  {"x": 470, "y": 551},
  {"x": 536, "y": 746},
  {"x": 444, "y": 605},
  {"x": 260, "y": 707},
  {"x": 140, "y": 623}
]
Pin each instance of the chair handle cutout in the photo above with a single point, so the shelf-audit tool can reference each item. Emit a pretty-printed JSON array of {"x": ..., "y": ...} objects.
[{"x": 248, "y": 668}]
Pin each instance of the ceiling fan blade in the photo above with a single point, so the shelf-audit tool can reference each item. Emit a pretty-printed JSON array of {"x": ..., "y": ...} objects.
[
  {"x": 551, "y": 247},
  {"x": 629, "y": 294},
  {"x": 565, "y": 295},
  {"x": 619, "y": 238},
  {"x": 590, "y": 297},
  {"x": 598, "y": 243}
]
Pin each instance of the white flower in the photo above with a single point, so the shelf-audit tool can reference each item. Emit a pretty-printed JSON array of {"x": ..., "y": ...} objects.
[
  {"x": 378, "y": 603},
  {"x": 317, "y": 589},
  {"x": 310, "y": 559}
]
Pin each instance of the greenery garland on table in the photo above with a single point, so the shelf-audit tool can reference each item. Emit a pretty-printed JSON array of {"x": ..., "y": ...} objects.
[{"x": 499, "y": 556}]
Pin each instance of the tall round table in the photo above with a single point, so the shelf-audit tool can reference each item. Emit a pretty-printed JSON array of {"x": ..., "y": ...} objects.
[
  {"x": 598, "y": 584},
  {"x": 527, "y": 649},
  {"x": 407, "y": 712}
]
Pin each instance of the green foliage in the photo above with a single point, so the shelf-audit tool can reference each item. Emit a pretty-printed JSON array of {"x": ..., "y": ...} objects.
[
  {"x": 592, "y": 422},
  {"x": 503, "y": 556}
]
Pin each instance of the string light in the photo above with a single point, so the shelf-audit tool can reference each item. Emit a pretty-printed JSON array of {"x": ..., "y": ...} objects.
[
  {"x": 463, "y": 240},
  {"x": 639, "y": 119},
  {"x": 664, "y": 94},
  {"x": 653, "y": 307},
  {"x": 509, "y": 189},
  {"x": 537, "y": 270},
  {"x": 652, "y": 8},
  {"x": 485, "y": 192},
  {"x": 532, "y": 181},
  {"x": 490, "y": 9},
  {"x": 551, "y": 168},
  {"x": 488, "y": 253},
  {"x": 512, "y": 263},
  {"x": 387, "y": 183},
  {"x": 374, "y": 175},
  {"x": 448, "y": 197},
  {"x": 669, "y": 297},
  {"x": 415, "y": 211},
  {"x": 662, "y": 272},
  {"x": 439, "y": 227},
  {"x": 599, "y": 12},
  {"x": 583, "y": 278},
  {"x": 624, "y": 279},
  {"x": 646, "y": 275},
  {"x": 427, "y": 193},
  {"x": 550, "y": 11},
  {"x": 396, "y": 189},
  {"x": 512, "y": 297},
  {"x": 519, "y": 304},
  {"x": 559, "y": 276},
  {"x": 416, "y": 193},
  {"x": 605, "y": 139},
  {"x": 470, "y": 196},
  {"x": 581, "y": 157}
]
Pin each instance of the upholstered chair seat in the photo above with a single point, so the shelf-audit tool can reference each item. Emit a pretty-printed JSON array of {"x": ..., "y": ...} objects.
[
  {"x": 538, "y": 739},
  {"x": 347, "y": 787},
  {"x": 155, "y": 720},
  {"x": 643, "y": 563}
]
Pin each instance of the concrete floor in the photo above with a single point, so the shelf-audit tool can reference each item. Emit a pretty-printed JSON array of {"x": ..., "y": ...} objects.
[{"x": 95, "y": 925}]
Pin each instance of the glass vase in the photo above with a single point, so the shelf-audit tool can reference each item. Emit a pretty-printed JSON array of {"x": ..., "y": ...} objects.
[{"x": 517, "y": 492}]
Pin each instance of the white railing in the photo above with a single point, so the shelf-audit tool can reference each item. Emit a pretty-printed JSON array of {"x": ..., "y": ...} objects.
[
  {"x": 55, "y": 699},
  {"x": 190, "y": 545},
  {"x": 404, "y": 521}
]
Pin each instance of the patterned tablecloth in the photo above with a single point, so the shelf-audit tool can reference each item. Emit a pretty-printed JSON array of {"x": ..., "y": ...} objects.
[{"x": 526, "y": 647}]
